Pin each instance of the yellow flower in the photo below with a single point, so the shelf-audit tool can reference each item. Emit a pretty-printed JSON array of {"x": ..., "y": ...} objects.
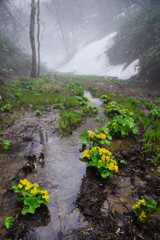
[
  {"x": 108, "y": 152},
  {"x": 138, "y": 203},
  {"x": 101, "y": 136},
  {"x": 142, "y": 202},
  {"x": 102, "y": 151},
  {"x": 28, "y": 186},
  {"x": 20, "y": 186},
  {"x": 111, "y": 166},
  {"x": 142, "y": 216},
  {"x": 91, "y": 134},
  {"x": 116, "y": 168},
  {"x": 86, "y": 154},
  {"x": 24, "y": 182},
  {"x": 103, "y": 158},
  {"x": 35, "y": 185},
  {"x": 34, "y": 191},
  {"x": 135, "y": 206},
  {"x": 95, "y": 149},
  {"x": 46, "y": 197}
]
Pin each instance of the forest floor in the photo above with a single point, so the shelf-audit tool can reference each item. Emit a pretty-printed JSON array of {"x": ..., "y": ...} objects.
[{"x": 105, "y": 204}]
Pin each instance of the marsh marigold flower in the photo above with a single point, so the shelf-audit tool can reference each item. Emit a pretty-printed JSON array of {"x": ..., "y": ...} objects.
[
  {"x": 86, "y": 154},
  {"x": 142, "y": 217},
  {"x": 101, "y": 136},
  {"x": 91, "y": 134}
]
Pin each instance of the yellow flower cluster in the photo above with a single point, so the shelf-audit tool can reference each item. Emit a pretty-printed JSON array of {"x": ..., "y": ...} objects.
[
  {"x": 104, "y": 151},
  {"x": 104, "y": 96},
  {"x": 91, "y": 134},
  {"x": 111, "y": 104},
  {"x": 112, "y": 166},
  {"x": 138, "y": 204},
  {"x": 142, "y": 217},
  {"x": 86, "y": 154},
  {"x": 33, "y": 188},
  {"x": 45, "y": 194},
  {"x": 101, "y": 136},
  {"x": 105, "y": 155}
]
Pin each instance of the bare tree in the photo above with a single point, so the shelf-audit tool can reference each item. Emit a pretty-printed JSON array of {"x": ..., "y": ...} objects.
[
  {"x": 32, "y": 39},
  {"x": 38, "y": 38}
]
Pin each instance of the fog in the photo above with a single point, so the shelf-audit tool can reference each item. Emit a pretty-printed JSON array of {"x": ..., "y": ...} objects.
[{"x": 66, "y": 26}]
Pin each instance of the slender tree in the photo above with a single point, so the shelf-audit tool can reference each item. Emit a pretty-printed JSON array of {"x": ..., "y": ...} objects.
[
  {"x": 32, "y": 39},
  {"x": 38, "y": 38}
]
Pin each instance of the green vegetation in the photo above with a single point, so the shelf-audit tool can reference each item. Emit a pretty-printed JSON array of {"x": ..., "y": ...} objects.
[
  {"x": 102, "y": 160},
  {"x": 59, "y": 91},
  {"x": 138, "y": 37},
  {"x": 100, "y": 137},
  {"x": 12, "y": 60},
  {"x": 68, "y": 121},
  {"x": 7, "y": 107},
  {"x": 5, "y": 144},
  {"x": 105, "y": 98},
  {"x": 89, "y": 110},
  {"x": 121, "y": 126},
  {"x": 8, "y": 222},
  {"x": 31, "y": 195},
  {"x": 143, "y": 208}
]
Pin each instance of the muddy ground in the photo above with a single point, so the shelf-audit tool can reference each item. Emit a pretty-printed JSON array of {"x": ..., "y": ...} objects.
[{"x": 104, "y": 204}]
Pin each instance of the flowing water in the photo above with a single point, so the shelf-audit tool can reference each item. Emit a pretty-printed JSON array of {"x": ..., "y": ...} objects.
[{"x": 61, "y": 174}]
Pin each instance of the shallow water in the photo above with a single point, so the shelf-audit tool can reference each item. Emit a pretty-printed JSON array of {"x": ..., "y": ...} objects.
[{"x": 61, "y": 174}]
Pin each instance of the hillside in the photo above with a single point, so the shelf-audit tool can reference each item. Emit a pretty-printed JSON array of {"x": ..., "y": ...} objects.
[
  {"x": 92, "y": 60},
  {"x": 139, "y": 37}
]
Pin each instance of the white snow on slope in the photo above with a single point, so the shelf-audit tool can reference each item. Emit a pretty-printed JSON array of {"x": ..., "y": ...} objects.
[{"x": 92, "y": 60}]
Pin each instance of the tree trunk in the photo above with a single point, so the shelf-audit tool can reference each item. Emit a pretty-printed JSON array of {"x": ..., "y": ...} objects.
[
  {"x": 38, "y": 39},
  {"x": 32, "y": 39}
]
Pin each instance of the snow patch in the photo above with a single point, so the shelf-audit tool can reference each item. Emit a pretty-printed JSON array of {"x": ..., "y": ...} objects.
[{"x": 92, "y": 60}]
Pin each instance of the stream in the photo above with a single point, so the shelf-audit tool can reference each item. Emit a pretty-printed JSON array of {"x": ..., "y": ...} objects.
[{"x": 61, "y": 175}]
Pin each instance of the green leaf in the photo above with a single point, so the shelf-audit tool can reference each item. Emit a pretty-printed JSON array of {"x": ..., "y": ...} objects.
[
  {"x": 21, "y": 200},
  {"x": 151, "y": 203},
  {"x": 94, "y": 156},
  {"x": 123, "y": 162},
  {"x": 15, "y": 187},
  {"x": 84, "y": 137},
  {"x": 106, "y": 174},
  {"x": 5, "y": 144},
  {"x": 32, "y": 202},
  {"x": 8, "y": 222},
  {"x": 135, "y": 129},
  {"x": 27, "y": 209}
]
